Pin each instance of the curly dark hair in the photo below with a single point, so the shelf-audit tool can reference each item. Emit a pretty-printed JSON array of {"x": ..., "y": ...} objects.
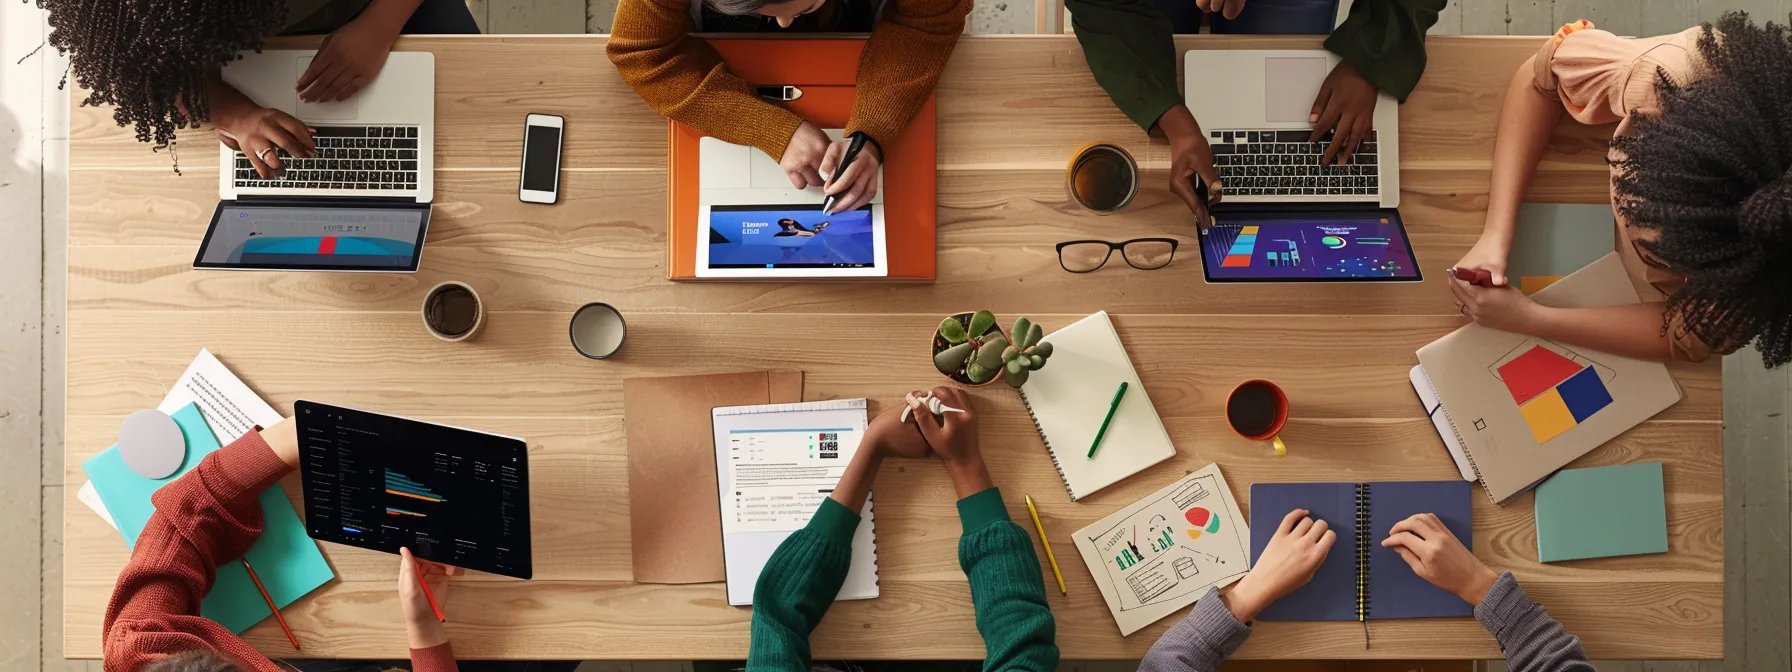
[
  {"x": 197, "y": 660},
  {"x": 148, "y": 58},
  {"x": 1710, "y": 174}
]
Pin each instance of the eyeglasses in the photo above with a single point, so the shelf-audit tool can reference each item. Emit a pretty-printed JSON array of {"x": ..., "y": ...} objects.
[{"x": 1145, "y": 254}]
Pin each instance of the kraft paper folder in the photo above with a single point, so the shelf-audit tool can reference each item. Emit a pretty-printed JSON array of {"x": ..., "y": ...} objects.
[
  {"x": 1523, "y": 407},
  {"x": 288, "y": 561},
  {"x": 825, "y": 69},
  {"x": 674, "y": 527}
]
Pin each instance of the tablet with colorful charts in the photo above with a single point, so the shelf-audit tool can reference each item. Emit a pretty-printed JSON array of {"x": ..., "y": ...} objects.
[{"x": 1308, "y": 245}]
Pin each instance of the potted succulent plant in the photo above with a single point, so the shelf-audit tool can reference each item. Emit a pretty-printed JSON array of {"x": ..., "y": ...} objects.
[{"x": 970, "y": 348}]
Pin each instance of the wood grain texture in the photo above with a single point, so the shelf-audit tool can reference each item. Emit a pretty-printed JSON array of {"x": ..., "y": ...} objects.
[{"x": 1012, "y": 109}]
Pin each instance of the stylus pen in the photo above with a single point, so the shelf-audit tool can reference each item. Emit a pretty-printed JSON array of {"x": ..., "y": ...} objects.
[
  {"x": 852, "y": 152},
  {"x": 429, "y": 595},
  {"x": 271, "y": 606}
]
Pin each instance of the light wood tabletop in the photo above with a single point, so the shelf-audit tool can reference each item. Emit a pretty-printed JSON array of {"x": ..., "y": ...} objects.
[{"x": 1012, "y": 109}]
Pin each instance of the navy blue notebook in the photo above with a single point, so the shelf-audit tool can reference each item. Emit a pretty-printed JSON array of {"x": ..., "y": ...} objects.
[{"x": 1361, "y": 514}]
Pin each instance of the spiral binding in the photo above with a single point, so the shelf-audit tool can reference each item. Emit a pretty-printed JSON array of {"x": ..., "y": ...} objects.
[
  {"x": 1048, "y": 446},
  {"x": 1458, "y": 432},
  {"x": 1363, "y": 539}
]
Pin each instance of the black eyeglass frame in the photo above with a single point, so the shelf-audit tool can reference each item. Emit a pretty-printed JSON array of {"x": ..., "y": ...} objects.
[{"x": 1112, "y": 246}]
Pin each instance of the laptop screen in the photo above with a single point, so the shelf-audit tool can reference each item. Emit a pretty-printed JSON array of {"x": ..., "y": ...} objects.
[
  {"x": 1308, "y": 245},
  {"x": 321, "y": 237}
]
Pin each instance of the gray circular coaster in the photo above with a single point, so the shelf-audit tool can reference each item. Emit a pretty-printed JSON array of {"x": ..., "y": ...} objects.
[{"x": 152, "y": 444}]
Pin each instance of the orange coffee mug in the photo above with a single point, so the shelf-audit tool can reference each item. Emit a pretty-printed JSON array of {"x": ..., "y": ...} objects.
[{"x": 1257, "y": 410}]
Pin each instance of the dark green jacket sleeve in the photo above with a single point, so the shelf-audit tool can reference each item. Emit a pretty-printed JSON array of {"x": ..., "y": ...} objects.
[
  {"x": 1129, "y": 47},
  {"x": 1385, "y": 41},
  {"x": 796, "y": 588},
  {"x": 1007, "y": 588}
]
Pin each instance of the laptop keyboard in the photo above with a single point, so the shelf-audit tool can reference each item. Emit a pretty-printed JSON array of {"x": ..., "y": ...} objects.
[
  {"x": 348, "y": 157},
  {"x": 1283, "y": 163}
]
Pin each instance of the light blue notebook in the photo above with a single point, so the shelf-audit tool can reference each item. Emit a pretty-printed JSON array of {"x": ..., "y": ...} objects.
[
  {"x": 288, "y": 561},
  {"x": 1602, "y": 512}
]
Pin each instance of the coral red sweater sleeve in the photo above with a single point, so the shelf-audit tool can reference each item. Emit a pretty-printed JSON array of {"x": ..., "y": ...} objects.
[{"x": 203, "y": 519}]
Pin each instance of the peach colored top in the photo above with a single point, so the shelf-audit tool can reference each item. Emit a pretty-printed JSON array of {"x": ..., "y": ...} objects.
[{"x": 1601, "y": 78}]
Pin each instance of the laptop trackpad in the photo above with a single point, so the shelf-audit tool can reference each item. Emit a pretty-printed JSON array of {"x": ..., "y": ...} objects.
[
  {"x": 1290, "y": 85},
  {"x": 325, "y": 111}
]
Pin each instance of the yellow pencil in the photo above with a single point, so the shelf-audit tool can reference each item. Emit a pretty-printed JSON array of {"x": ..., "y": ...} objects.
[{"x": 1047, "y": 544}]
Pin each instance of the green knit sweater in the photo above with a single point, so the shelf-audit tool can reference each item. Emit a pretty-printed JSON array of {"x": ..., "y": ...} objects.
[{"x": 802, "y": 577}]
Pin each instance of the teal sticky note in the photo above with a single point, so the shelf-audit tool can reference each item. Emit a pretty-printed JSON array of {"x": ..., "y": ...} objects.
[
  {"x": 287, "y": 560},
  {"x": 1602, "y": 512}
]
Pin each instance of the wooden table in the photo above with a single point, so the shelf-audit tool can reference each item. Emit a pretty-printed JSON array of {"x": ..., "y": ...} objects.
[{"x": 1011, "y": 111}]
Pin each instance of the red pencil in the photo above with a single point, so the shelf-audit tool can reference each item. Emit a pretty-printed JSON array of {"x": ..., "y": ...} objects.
[
  {"x": 1473, "y": 276},
  {"x": 429, "y": 595},
  {"x": 271, "y": 606}
]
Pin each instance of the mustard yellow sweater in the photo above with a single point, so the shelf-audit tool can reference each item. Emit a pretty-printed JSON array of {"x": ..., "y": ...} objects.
[{"x": 684, "y": 78}]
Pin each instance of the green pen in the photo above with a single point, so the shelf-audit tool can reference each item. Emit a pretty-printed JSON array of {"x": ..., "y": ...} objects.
[{"x": 1112, "y": 406}]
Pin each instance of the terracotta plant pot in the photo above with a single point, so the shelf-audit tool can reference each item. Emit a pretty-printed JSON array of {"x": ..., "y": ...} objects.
[{"x": 939, "y": 344}]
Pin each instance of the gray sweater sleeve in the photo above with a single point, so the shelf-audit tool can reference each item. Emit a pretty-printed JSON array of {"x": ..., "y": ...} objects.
[
  {"x": 1530, "y": 638},
  {"x": 1209, "y": 635}
]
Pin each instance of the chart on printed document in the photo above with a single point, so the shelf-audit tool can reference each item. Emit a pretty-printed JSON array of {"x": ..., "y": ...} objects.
[{"x": 778, "y": 477}]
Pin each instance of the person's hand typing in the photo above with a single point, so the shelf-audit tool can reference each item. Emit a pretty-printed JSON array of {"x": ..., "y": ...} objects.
[
  {"x": 803, "y": 156},
  {"x": 1288, "y": 562},
  {"x": 263, "y": 134},
  {"x": 953, "y": 436},
  {"x": 1226, "y": 8},
  {"x": 1436, "y": 555},
  {"x": 349, "y": 59},
  {"x": 422, "y": 627},
  {"x": 1346, "y": 105},
  {"x": 858, "y": 184},
  {"x": 1190, "y": 156}
]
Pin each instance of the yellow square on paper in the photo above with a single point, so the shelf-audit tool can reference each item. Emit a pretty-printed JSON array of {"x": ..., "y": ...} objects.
[{"x": 1547, "y": 415}]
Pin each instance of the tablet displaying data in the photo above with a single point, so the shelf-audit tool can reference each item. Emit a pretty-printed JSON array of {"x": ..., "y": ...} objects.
[
  {"x": 1308, "y": 246},
  {"x": 380, "y": 482},
  {"x": 773, "y": 241},
  {"x": 290, "y": 236}
]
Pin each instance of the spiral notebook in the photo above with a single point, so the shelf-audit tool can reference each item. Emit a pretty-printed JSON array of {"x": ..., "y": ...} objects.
[
  {"x": 1359, "y": 579},
  {"x": 1070, "y": 396},
  {"x": 775, "y": 464}
]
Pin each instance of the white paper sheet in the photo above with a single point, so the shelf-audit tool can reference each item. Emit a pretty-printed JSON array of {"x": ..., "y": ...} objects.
[
  {"x": 774, "y": 465},
  {"x": 229, "y": 407},
  {"x": 1440, "y": 419}
]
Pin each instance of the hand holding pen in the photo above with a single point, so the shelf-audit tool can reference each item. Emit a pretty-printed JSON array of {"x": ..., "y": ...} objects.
[
  {"x": 422, "y": 589},
  {"x": 852, "y": 166}
]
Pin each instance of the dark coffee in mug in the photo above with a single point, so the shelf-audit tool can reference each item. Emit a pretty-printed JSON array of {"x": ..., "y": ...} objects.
[
  {"x": 1253, "y": 408},
  {"x": 452, "y": 311},
  {"x": 1103, "y": 178}
]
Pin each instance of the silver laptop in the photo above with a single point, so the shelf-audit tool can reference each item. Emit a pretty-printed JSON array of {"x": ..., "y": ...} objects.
[
  {"x": 1254, "y": 104},
  {"x": 377, "y": 144}
]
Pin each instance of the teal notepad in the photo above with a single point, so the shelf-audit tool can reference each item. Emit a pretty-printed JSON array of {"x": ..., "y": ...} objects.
[
  {"x": 1602, "y": 512},
  {"x": 288, "y": 561}
]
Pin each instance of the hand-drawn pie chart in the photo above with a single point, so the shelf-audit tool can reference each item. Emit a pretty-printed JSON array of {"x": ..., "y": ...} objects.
[{"x": 1203, "y": 521}]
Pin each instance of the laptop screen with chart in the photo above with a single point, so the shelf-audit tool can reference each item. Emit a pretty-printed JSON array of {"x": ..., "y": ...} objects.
[
  {"x": 451, "y": 495},
  {"x": 1308, "y": 245}
]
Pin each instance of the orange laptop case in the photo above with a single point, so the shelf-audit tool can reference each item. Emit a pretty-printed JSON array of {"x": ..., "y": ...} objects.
[{"x": 824, "y": 69}]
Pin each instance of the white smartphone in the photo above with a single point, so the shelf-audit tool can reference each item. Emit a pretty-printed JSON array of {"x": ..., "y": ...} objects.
[{"x": 542, "y": 134}]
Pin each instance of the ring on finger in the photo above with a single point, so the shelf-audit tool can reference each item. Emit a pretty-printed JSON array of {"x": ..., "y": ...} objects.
[{"x": 263, "y": 154}]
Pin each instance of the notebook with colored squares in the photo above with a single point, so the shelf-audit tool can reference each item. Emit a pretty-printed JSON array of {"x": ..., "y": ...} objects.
[{"x": 1522, "y": 407}]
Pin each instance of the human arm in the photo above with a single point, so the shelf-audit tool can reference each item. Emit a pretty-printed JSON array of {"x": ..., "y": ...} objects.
[
  {"x": 901, "y": 63},
  {"x": 204, "y": 519},
  {"x": 1007, "y": 586},
  {"x": 351, "y": 56},
  {"x": 1634, "y": 330},
  {"x": 1527, "y": 119},
  {"x": 801, "y": 578},
  {"x": 1530, "y": 638},
  {"x": 1384, "y": 41},
  {"x": 424, "y": 633},
  {"x": 1216, "y": 627},
  {"x": 685, "y": 80}
]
